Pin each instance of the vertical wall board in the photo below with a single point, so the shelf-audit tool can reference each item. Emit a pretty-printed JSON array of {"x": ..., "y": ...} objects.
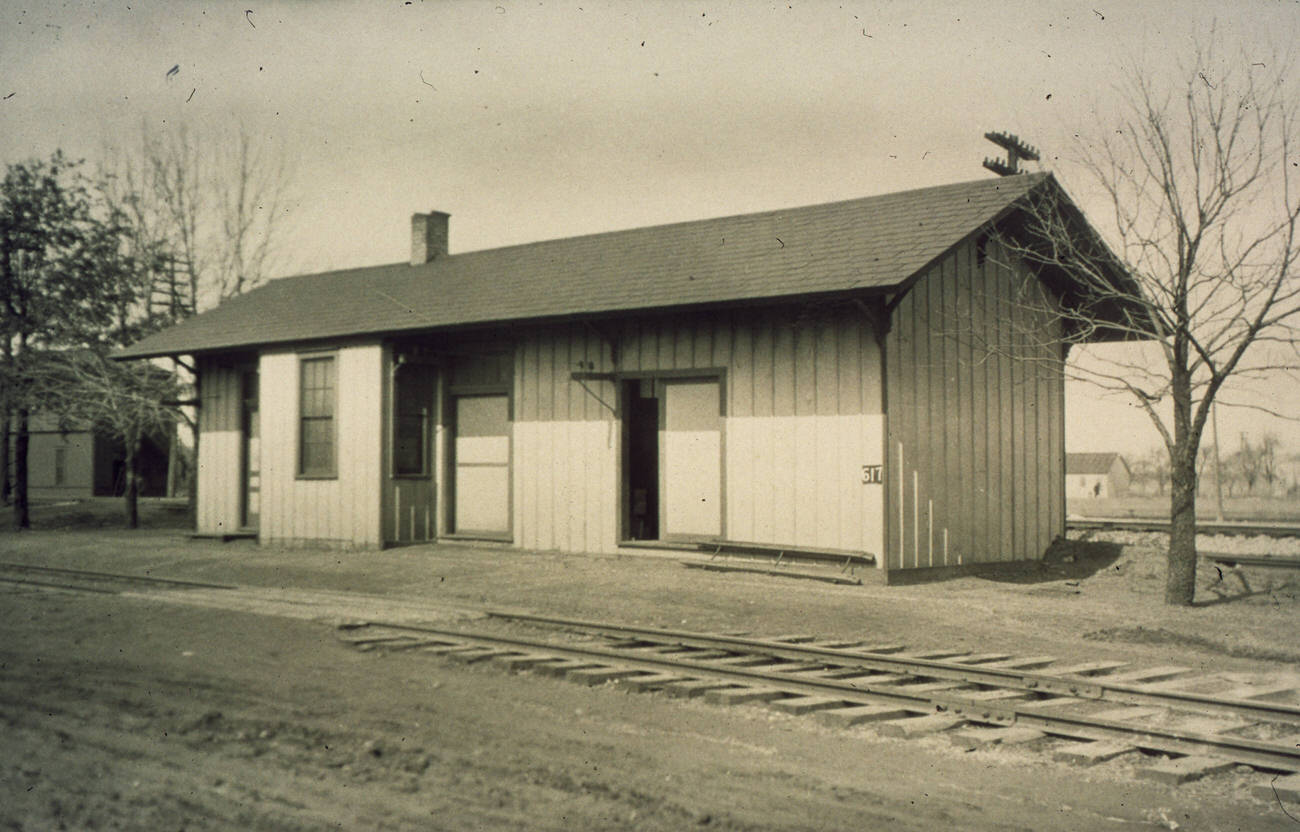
[
  {"x": 979, "y": 358},
  {"x": 974, "y": 404},
  {"x": 783, "y": 367},
  {"x": 893, "y": 436},
  {"x": 740, "y": 478},
  {"x": 219, "y": 449},
  {"x": 787, "y": 479},
  {"x": 784, "y": 478},
  {"x": 740, "y": 378},
  {"x": 932, "y": 417},
  {"x": 848, "y": 367},
  {"x": 724, "y": 335},
  {"x": 764, "y": 345},
  {"x": 360, "y": 440},
  {"x": 559, "y": 492}
]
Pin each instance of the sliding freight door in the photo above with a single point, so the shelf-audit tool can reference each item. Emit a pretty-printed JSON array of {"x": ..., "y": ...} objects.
[{"x": 690, "y": 485}]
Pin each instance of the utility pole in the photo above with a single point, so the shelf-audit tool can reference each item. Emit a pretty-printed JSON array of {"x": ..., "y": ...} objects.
[
  {"x": 1016, "y": 150},
  {"x": 1218, "y": 467}
]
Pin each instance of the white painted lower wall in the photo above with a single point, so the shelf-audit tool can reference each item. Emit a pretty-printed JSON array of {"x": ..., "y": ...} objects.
[
  {"x": 788, "y": 480},
  {"x": 343, "y": 510}
]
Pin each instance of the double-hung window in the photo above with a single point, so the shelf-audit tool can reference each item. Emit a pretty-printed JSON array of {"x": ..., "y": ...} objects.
[{"x": 317, "y": 437}]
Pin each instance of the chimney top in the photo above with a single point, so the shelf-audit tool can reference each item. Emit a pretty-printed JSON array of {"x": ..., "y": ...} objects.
[{"x": 428, "y": 237}]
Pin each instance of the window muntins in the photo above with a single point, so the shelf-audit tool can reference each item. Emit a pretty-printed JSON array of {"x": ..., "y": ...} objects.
[{"x": 317, "y": 404}]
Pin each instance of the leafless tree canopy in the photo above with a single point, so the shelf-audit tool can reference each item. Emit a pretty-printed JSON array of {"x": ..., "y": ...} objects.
[
  {"x": 1201, "y": 184},
  {"x": 212, "y": 206}
]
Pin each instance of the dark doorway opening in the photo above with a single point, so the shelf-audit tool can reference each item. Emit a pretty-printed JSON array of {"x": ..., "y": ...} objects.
[{"x": 641, "y": 459}]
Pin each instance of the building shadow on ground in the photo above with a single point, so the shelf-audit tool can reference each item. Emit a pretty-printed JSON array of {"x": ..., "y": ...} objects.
[{"x": 1064, "y": 560}]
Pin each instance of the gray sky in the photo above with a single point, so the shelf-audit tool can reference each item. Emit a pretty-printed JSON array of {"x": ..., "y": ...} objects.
[{"x": 537, "y": 120}]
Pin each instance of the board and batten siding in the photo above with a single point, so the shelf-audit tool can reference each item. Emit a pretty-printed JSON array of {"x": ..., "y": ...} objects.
[
  {"x": 976, "y": 466},
  {"x": 220, "y": 470},
  {"x": 802, "y": 416},
  {"x": 343, "y": 510}
]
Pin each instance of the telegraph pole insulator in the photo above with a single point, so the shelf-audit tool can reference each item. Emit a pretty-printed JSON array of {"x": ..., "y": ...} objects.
[{"x": 1016, "y": 150}]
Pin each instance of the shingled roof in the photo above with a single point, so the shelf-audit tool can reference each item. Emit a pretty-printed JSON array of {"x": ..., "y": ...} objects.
[
  {"x": 875, "y": 243},
  {"x": 1091, "y": 463}
]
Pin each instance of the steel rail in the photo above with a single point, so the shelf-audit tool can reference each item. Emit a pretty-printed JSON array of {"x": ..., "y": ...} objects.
[
  {"x": 860, "y": 691},
  {"x": 1029, "y": 681},
  {"x": 107, "y": 576},
  {"x": 1141, "y": 524},
  {"x": 48, "y": 585}
]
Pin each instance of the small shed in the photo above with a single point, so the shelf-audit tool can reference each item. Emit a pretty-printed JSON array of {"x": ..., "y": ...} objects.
[
  {"x": 1096, "y": 476},
  {"x": 815, "y": 378},
  {"x": 68, "y": 460}
]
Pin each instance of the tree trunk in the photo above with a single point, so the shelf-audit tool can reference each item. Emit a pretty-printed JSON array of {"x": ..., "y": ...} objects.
[
  {"x": 1180, "y": 581},
  {"x": 6, "y": 484},
  {"x": 132, "y": 484},
  {"x": 22, "y": 517}
]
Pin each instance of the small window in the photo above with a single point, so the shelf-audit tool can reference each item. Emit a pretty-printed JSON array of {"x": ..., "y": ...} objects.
[
  {"x": 412, "y": 417},
  {"x": 60, "y": 466},
  {"x": 316, "y": 453}
]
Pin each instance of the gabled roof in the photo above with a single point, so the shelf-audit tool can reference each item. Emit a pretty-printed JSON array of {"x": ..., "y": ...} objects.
[
  {"x": 1096, "y": 463},
  {"x": 875, "y": 243}
]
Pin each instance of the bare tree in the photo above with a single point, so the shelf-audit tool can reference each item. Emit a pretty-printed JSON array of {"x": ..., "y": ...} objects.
[
  {"x": 212, "y": 210},
  {"x": 214, "y": 205},
  {"x": 126, "y": 401},
  {"x": 1202, "y": 188}
]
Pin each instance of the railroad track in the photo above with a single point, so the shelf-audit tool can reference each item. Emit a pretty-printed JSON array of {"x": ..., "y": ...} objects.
[
  {"x": 81, "y": 580},
  {"x": 1136, "y": 524},
  {"x": 1087, "y": 713},
  {"x": 1082, "y": 712}
]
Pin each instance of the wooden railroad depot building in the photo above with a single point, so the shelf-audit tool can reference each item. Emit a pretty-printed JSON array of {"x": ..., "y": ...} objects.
[{"x": 840, "y": 378}]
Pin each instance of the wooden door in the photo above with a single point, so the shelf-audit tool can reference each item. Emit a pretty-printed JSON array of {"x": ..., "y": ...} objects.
[
  {"x": 690, "y": 471},
  {"x": 481, "y": 465}
]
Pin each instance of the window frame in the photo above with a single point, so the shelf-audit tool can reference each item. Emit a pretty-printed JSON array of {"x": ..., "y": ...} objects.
[{"x": 330, "y": 472}]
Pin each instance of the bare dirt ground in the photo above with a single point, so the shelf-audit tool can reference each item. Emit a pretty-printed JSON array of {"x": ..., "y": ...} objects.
[{"x": 150, "y": 713}]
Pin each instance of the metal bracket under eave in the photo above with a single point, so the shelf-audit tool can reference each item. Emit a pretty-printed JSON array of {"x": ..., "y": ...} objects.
[{"x": 582, "y": 377}]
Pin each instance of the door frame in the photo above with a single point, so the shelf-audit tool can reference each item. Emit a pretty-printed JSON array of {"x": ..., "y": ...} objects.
[{"x": 714, "y": 374}]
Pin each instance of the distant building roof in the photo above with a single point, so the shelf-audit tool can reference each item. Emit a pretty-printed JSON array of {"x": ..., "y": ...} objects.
[
  {"x": 875, "y": 243},
  {"x": 1099, "y": 463}
]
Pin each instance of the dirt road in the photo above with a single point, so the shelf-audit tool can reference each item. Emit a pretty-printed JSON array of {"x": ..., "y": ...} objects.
[{"x": 134, "y": 713}]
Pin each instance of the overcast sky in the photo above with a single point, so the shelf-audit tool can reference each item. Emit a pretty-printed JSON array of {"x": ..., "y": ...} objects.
[{"x": 537, "y": 120}]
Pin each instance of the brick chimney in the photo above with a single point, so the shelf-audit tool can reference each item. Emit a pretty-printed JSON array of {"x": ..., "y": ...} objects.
[{"x": 428, "y": 237}]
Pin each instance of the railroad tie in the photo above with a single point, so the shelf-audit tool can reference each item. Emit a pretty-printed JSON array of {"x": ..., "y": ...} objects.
[
  {"x": 859, "y": 714},
  {"x": 652, "y": 681},
  {"x": 1130, "y": 714},
  {"x": 1184, "y": 769},
  {"x": 562, "y": 667},
  {"x": 1281, "y": 788},
  {"x": 1145, "y": 675},
  {"x": 474, "y": 654},
  {"x": 974, "y": 737},
  {"x": 1024, "y": 663},
  {"x": 918, "y": 726},
  {"x": 1091, "y": 753},
  {"x": 1088, "y": 668},
  {"x": 691, "y": 688},
  {"x": 515, "y": 662},
  {"x": 743, "y": 695},
  {"x": 594, "y": 676},
  {"x": 799, "y": 705}
]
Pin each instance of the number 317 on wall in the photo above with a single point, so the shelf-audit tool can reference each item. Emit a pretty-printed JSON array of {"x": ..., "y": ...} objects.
[{"x": 873, "y": 474}]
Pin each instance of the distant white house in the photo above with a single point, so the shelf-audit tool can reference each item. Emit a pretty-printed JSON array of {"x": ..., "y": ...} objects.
[{"x": 1096, "y": 475}]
